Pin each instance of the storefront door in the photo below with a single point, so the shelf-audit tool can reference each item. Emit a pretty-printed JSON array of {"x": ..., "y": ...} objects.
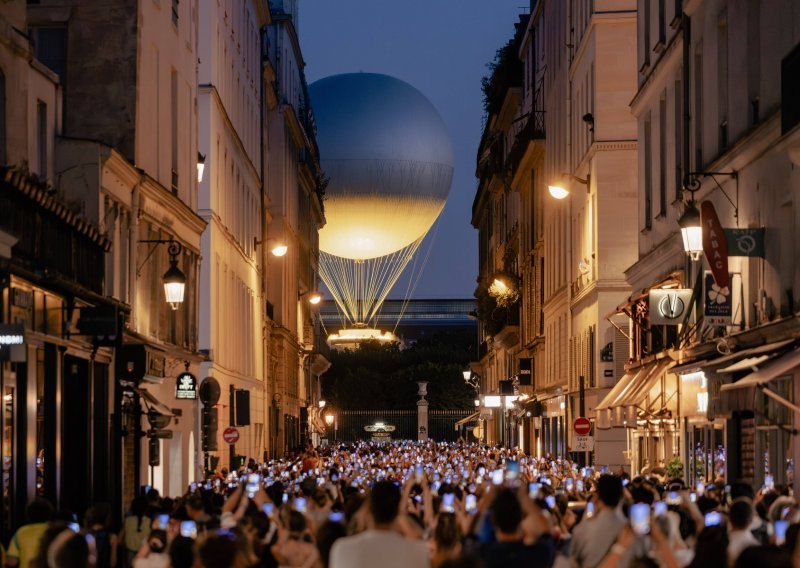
[{"x": 706, "y": 451}]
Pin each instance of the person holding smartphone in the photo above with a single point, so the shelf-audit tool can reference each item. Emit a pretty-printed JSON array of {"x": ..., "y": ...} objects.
[
  {"x": 740, "y": 517},
  {"x": 593, "y": 538}
]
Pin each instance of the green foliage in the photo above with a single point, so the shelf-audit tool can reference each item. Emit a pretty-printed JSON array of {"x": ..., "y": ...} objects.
[
  {"x": 505, "y": 71},
  {"x": 383, "y": 377},
  {"x": 675, "y": 468}
]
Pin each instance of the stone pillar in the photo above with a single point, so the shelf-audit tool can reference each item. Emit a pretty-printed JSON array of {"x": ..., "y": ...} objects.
[{"x": 422, "y": 411}]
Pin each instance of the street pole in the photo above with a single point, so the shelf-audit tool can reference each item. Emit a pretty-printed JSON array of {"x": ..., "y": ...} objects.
[
  {"x": 231, "y": 422},
  {"x": 582, "y": 406}
]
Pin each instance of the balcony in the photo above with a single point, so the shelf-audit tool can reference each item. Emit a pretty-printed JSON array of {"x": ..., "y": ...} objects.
[{"x": 530, "y": 127}]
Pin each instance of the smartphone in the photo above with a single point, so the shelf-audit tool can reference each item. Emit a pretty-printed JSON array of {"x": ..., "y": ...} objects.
[
  {"x": 673, "y": 498},
  {"x": 769, "y": 483},
  {"x": 693, "y": 497},
  {"x": 659, "y": 508},
  {"x": 336, "y": 517},
  {"x": 189, "y": 529},
  {"x": 699, "y": 488},
  {"x": 300, "y": 504},
  {"x": 625, "y": 482},
  {"x": 780, "y": 532},
  {"x": 162, "y": 522},
  {"x": 285, "y": 498},
  {"x": 497, "y": 477},
  {"x": 589, "y": 510},
  {"x": 208, "y": 486},
  {"x": 640, "y": 518},
  {"x": 471, "y": 503},
  {"x": 551, "y": 501},
  {"x": 534, "y": 489},
  {"x": 712, "y": 519},
  {"x": 418, "y": 473},
  {"x": 481, "y": 471},
  {"x": 579, "y": 485},
  {"x": 569, "y": 484},
  {"x": 74, "y": 527},
  {"x": 193, "y": 487},
  {"x": 268, "y": 508},
  {"x": 447, "y": 503},
  {"x": 512, "y": 471}
]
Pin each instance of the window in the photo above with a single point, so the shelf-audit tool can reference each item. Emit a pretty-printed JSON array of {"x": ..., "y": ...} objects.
[
  {"x": 175, "y": 12},
  {"x": 678, "y": 141},
  {"x": 648, "y": 173},
  {"x": 662, "y": 155},
  {"x": 174, "y": 128},
  {"x": 662, "y": 23},
  {"x": 50, "y": 46},
  {"x": 722, "y": 79},
  {"x": 698, "y": 107},
  {"x": 646, "y": 39},
  {"x": 41, "y": 139},
  {"x": 753, "y": 58}
]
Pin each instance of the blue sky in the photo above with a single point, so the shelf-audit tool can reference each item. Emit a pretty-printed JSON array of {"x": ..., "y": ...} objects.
[{"x": 441, "y": 47}]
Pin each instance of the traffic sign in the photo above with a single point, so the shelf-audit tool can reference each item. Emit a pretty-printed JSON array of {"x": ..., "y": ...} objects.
[
  {"x": 230, "y": 435},
  {"x": 582, "y": 426},
  {"x": 583, "y": 443}
]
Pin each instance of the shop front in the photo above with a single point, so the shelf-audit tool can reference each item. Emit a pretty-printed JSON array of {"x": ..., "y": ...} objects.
[{"x": 646, "y": 403}]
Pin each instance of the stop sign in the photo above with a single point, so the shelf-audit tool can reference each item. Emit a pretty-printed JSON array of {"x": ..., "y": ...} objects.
[
  {"x": 582, "y": 426},
  {"x": 230, "y": 435}
]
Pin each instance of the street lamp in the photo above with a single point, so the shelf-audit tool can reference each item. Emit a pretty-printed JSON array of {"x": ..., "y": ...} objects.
[
  {"x": 691, "y": 231},
  {"x": 276, "y": 247},
  {"x": 174, "y": 278},
  {"x": 321, "y": 404},
  {"x": 329, "y": 419},
  {"x": 559, "y": 191}
]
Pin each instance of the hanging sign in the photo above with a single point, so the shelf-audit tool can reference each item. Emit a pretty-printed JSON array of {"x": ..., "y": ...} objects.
[
  {"x": 745, "y": 242},
  {"x": 715, "y": 245},
  {"x": 186, "y": 387},
  {"x": 524, "y": 375},
  {"x": 718, "y": 302},
  {"x": 669, "y": 306}
]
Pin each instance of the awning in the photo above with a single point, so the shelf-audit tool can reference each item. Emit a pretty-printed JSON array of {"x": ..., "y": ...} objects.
[
  {"x": 724, "y": 363},
  {"x": 472, "y": 417},
  {"x": 152, "y": 402},
  {"x": 619, "y": 407},
  {"x": 781, "y": 366}
]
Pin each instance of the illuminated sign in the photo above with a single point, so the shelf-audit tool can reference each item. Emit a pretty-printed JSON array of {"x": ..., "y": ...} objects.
[
  {"x": 186, "y": 387},
  {"x": 669, "y": 306}
]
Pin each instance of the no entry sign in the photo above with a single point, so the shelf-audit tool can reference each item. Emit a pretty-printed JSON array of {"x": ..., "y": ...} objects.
[
  {"x": 582, "y": 426},
  {"x": 230, "y": 435}
]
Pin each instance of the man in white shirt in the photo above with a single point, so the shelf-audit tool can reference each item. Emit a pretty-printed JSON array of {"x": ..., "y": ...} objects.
[
  {"x": 740, "y": 537},
  {"x": 381, "y": 546}
]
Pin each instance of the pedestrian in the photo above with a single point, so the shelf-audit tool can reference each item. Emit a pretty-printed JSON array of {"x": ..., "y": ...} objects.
[
  {"x": 593, "y": 538},
  {"x": 135, "y": 529},
  {"x": 24, "y": 545},
  {"x": 381, "y": 545},
  {"x": 96, "y": 521}
]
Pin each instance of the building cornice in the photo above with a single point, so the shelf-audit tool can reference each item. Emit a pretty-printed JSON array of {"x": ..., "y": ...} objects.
[
  {"x": 670, "y": 58},
  {"x": 171, "y": 213}
]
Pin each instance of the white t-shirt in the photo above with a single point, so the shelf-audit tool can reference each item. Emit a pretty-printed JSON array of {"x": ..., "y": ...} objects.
[
  {"x": 738, "y": 541},
  {"x": 382, "y": 549}
]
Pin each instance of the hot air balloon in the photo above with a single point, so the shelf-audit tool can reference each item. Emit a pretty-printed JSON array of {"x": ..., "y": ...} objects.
[{"x": 388, "y": 157}]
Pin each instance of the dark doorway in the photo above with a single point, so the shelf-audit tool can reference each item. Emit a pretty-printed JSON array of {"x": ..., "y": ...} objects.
[{"x": 76, "y": 474}]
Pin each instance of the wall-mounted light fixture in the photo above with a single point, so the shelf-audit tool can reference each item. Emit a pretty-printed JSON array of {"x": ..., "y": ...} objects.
[
  {"x": 201, "y": 166},
  {"x": 174, "y": 278},
  {"x": 560, "y": 191},
  {"x": 276, "y": 247}
]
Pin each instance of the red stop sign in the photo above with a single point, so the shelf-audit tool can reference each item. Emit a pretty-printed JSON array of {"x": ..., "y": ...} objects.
[
  {"x": 582, "y": 426},
  {"x": 230, "y": 435}
]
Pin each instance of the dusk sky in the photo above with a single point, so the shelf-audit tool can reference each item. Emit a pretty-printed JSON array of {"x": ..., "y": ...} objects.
[{"x": 441, "y": 47}]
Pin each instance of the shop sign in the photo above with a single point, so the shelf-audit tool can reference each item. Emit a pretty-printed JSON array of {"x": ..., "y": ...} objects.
[
  {"x": 745, "y": 242},
  {"x": 669, "y": 306},
  {"x": 718, "y": 302},
  {"x": 524, "y": 371},
  {"x": 186, "y": 387},
  {"x": 715, "y": 244},
  {"x": 12, "y": 342},
  {"x": 583, "y": 443}
]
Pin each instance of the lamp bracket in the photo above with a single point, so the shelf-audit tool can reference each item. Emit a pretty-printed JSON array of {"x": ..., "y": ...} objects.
[
  {"x": 694, "y": 180},
  {"x": 174, "y": 248}
]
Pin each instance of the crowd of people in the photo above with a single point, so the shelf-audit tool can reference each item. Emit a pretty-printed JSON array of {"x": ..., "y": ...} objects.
[{"x": 415, "y": 504}]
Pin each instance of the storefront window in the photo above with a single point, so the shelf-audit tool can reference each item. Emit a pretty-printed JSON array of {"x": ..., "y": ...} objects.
[
  {"x": 772, "y": 439},
  {"x": 7, "y": 453}
]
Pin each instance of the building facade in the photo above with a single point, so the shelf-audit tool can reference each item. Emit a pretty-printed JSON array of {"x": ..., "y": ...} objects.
[
  {"x": 231, "y": 128},
  {"x": 127, "y": 159},
  {"x": 556, "y": 209},
  {"x": 716, "y": 107},
  {"x": 295, "y": 189}
]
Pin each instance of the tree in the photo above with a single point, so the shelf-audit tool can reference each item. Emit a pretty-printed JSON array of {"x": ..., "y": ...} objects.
[{"x": 385, "y": 377}]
